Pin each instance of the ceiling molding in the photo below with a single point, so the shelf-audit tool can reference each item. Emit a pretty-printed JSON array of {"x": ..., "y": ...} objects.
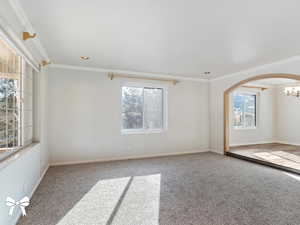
[
  {"x": 259, "y": 86},
  {"x": 135, "y": 73},
  {"x": 292, "y": 84},
  {"x": 254, "y": 69},
  {"x": 9, "y": 36},
  {"x": 25, "y": 22}
]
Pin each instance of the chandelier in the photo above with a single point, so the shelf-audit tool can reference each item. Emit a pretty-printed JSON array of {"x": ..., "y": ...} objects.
[{"x": 292, "y": 91}]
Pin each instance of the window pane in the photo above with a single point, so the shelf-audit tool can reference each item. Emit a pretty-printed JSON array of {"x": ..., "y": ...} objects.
[
  {"x": 153, "y": 108},
  {"x": 132, "y": 108},
  {"x": 238, "y": 110},
  {"x": 9, "y": 113},
  {"x": 2, "y": 139},
  {"x": 244, "y": 110},
  {"x": 250, "y": 102}
]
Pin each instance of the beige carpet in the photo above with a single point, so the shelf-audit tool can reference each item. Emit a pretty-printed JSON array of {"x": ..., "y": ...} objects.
[{"x": 197, "y": 189}]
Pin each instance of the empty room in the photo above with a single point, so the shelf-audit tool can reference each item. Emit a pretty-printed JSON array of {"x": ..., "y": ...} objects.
[{"x": 149, "y": 112}]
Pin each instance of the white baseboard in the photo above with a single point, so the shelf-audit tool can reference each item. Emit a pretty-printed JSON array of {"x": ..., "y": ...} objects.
[
  {"x": 39, "y": 181},
  {"x": 32, "y": 192},
  {"x": 269, "y": 142},
  {"x": 126, "y": 158},
  {"x": 217, "y": 151},
  {"x": 252, "y": 143},
  {"x": 287, "y": 143}
]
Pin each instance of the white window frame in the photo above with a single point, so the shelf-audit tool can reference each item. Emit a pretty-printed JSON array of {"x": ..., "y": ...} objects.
[
  {"x": 257, "y": 94},
  {"x": 165, "y": 108},
  {"x": 20, "y": 91}
]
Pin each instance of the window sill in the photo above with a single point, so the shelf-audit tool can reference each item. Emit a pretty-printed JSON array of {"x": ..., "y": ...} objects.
[
  {"x": 16, "y": 154},
  {"x": 129, "y": 132},
  {"x": 246, "y": 128}
]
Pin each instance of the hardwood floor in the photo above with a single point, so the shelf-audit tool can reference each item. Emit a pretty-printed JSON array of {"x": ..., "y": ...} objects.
[{"x": 279, "y": 154}]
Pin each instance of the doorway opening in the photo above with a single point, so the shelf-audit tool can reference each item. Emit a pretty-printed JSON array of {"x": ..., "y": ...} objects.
[{"x": 261, "y": 121}]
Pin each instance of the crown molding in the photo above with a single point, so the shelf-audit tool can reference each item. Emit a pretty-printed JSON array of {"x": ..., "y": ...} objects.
[
  {"x": 290, "y": 84},
  {"x": 25, "y": 22},
  {"x": 254, "y": 69},
  {"x": 10, "y": 37},
  {"x": 135, "y": 73}
]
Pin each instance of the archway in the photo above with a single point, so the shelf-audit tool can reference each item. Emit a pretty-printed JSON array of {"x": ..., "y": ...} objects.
[{"x": 232, "y": 88}]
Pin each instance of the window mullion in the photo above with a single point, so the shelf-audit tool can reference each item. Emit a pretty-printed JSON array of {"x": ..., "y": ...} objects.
[
  {"x": 244, "y": 114},
  {"x": 143, "y": 109},
  {"x": 163, "y": 109},
  {"x": 6, "y": 118},
  {"x": 14, "y": 120},
  {"x": 255, "y": 111},
  {"x": 22, "y": 96},
  {"x": 149, "y": 106}
]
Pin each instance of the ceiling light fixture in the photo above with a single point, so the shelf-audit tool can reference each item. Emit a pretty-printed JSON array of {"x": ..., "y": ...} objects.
[{"x": 84, "y": 57}]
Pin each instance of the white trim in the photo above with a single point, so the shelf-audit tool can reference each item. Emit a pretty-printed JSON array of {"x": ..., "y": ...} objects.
[
  {"x": 246, "y": 91},
  {"x": 142, "y": 131},
  {"x": 149, "y": 84},
  {"x": 17, "y": 154},
  {"x": 164, "y": 109},
  {"x": 23, "y": 18},
  {"x": 257, "y": 110},
  {"x": 39, "y": 181},
  {"x": 180, "y": 78},
  {"x": 219, "y": 151},
  {"x": 244, "y": 128},
  {"x": 10, "y": 37},
  {"x": 288, "y": 143},
  {"x": 253, "y": 143},
  {"x": 290, "y": 84},
  {"x": 135, "y": 73},
  {"x": 254, "y": 69},
  {"x": 126, "y": 158},
  {"x": 268, "y": 86},
  {"x": 17, "y": 218}
]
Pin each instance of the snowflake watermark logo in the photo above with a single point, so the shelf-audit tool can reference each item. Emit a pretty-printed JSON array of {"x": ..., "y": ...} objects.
[{"x": 22, "y": 204}]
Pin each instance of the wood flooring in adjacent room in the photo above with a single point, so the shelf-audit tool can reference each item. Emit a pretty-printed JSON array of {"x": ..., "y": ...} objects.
[
  {"x": 280, "y": 154},
  {"x": 196, "y": 189}
]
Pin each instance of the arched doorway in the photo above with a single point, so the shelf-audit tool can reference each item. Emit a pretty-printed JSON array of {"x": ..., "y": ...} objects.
[{"x": 232, "y": 88}]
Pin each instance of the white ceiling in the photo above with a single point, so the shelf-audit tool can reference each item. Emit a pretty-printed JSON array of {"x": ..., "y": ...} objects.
[{"x": 173, "y": 37}]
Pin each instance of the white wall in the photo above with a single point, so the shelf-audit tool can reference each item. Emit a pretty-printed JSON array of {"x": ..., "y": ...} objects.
[
  {"x": 288, "y": 118},
  {"x": 20, "y": 175},
  {"x": 18, "y": 179},
  {"x": 218, "y": 86},
  {"x": 265, "y": 127},
  {"x": 84, "y": 119}
]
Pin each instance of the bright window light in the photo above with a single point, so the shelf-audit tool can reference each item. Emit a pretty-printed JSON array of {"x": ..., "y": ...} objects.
[
  {"x": 244, "y": 110},
  {"x": 143, "y": 109}
]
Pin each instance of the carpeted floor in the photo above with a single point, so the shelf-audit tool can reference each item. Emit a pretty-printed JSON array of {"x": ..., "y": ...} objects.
[{"x": 197, "y": 189}]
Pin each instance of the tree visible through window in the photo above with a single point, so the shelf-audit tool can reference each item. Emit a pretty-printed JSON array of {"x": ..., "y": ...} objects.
[
  {"x": 10, "y": 98},
  {"x": 10, "y": 113},
  {"x": 244, "y": 110},
  {"x": 16, "y": 101},
  {"x": 142, "y": 108}
]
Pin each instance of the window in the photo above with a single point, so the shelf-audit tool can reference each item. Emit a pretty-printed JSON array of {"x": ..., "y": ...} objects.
[
  {"x": 143, "y": 109},
  {"x": 16, "y": 99},
  {"x": 244, "y": 110}
]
